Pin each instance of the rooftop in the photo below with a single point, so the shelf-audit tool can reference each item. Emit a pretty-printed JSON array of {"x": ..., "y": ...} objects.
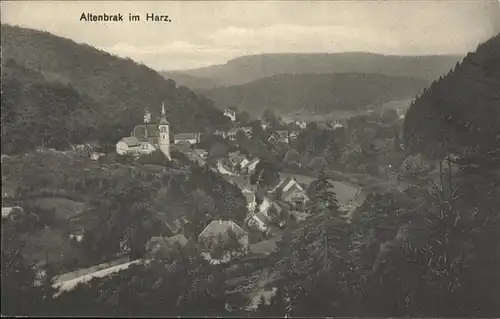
[
  {"x": 217, "y": 227},
  {"x": 186, "y": 135}
]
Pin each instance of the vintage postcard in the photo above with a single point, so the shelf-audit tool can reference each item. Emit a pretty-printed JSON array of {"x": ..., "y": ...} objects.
[{"x": 250, "y": 158}]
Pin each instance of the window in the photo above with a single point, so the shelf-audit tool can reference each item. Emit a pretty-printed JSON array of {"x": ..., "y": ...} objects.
[{"x": 163, "y": 129}]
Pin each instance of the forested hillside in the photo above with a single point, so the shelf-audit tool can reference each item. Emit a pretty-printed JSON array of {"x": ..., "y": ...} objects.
[
  {"x": 460, "y": 110},
  {"x": 56, "y": 92},
  {"x": 253, "y": 67},
  {"x": 316, "y": 92}
]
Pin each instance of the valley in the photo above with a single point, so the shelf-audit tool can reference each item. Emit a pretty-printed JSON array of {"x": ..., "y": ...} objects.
[{"x": 347, "y": 184}]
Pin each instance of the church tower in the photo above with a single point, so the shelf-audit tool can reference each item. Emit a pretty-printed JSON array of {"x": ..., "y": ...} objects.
[{"x": 164, "y": 134}]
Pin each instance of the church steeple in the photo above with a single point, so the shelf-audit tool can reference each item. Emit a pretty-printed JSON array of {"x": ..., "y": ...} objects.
[
  {"x": 163, "y": 118},
  {"x": 164, "y": 134}
]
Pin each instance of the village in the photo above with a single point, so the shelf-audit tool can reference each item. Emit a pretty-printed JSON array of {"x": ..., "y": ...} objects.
[{"x": 271, "y": 207}]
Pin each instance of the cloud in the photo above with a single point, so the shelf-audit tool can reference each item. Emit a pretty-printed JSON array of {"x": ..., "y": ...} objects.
[
  {"x": 300, "y": 38},
  {"x": 176, "y": 47},
  {"x": 173, "y": 55}
]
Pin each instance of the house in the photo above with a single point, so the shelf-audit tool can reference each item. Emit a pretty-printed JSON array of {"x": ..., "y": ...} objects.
[
  {"x": 250, "y": 168},
  {"x": 290, "y": 191},
  {"x": 237, "y": 161},
  {"x": 221, "y": 240},
  {"x": 147, "y": 138},
  {"x": 231, "y": 134},
  {"x": 231, "y": 113},
  {"x": 261, "y": 218},
  {"x": 95, "y": 156},
  {"x": 293, "y": 135},
  {"x": 223, "y": 169},
  {"x": 300, "y": 123},
  {"x": 220, "y": 133},
  {"x": 280, "y": 136},
  {"x": 191, "y": 138},
  {"x": 244, "y": 164},
  {"x": 265, "y": 125},
  {"x": 247, "y": 130},
  {"x": 77, "y": 235},
  {"x": 11, "y": 212},
  {"x": 251, "y": 201}
]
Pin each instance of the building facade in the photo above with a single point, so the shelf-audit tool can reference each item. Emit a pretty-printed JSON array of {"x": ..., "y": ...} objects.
[{"x": 147, "y": 138}]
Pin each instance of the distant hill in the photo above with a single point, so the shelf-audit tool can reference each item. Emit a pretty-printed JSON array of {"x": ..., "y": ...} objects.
[
  {"x": 57, "y": 91},
  {"x": 321, "y": 93},
  {"x": 192, "y": 82},
  {"x": 460, "y": 110},
  {"x": 250, "y": 68}
]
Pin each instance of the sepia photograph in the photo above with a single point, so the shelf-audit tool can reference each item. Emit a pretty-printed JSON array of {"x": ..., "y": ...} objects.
[{"x": 267, "y": 159}]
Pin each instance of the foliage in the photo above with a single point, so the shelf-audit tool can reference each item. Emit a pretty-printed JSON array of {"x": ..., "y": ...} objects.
[
  {"x": 321, "y": 93},
  {"x": 229, "y": 202},
  {"x": 460, "y": 110},
  {"x": 218, "y": 150},
  {"x": 186, "y": 287},
  {"x": 243, "y": 117},
  {"x": 266, "y": 174},
  {"x": 58, "y": 93},
  {"x": 155, "y": 158},
  {"x": 317, "y": 252},
  {"x": 19, "y": 295}
]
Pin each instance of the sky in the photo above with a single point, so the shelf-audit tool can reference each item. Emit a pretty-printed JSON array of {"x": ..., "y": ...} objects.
[{"x": 203, "y": 33}]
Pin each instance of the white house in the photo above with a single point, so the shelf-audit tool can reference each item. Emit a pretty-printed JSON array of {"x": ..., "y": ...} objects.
[
  {"x": 244, "y": 164},
  {"x": 252, "y": 165},
  {"x": 216, "y": 234},
  {"x": 95, "y": 155},
  {"x": 7, "y": 211},
  {"x": 261, "y": 217},
  {"x": 147, "y": 138},
  {"x": 300, "y": 123},
  {"x": 251, "y": 202},
  {"x": 231, "y": 114},
  {"x": 191, "y": 138},
  {"x": 291, "y": 192}
]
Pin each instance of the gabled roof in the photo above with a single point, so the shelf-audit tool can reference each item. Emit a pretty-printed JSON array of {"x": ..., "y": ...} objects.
[
  {"x": 238, "y": 158},
  {"x": 291, "y": 191},
  {"x": 140, "y": 131},
  {"x": 262, "y": 217},
  {"x": 254, "y": 161},
  {"x": 282, "y": 132},
  {"x": 282, "y": 183},
  {"x": 249, "y": 196},
  {"x": 221, "y": 227},
  {"x": 186, "y": 136},
  {"x": 131, "y": 141}
]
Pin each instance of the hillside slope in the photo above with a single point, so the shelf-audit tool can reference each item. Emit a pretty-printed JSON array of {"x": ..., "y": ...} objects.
[
  {"x": 108, "y": 93},
  {"x": 250, "y": 68},
  {"x": 316, "y": 92},
  {"x": 193, "y": 82},
  {"x": 462, "y": 109}
]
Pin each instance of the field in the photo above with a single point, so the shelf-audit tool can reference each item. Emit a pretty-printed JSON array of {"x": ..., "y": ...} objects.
[{"x": 399, "y": 105}]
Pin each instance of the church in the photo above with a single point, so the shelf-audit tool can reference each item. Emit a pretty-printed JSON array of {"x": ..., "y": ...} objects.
[{"x": 147, "y": 138}]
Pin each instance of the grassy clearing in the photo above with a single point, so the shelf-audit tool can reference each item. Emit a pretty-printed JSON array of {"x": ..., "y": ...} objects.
[
  {"x": 63, "y": 207},
  {"x": 53, "y": 245}
]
